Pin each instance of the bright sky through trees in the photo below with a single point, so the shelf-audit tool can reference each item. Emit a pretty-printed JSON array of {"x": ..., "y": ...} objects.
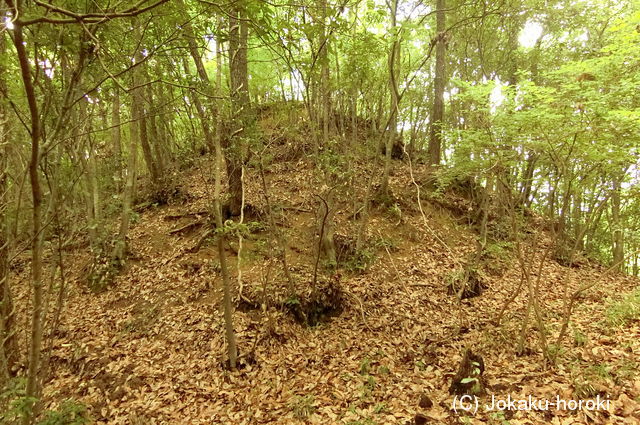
[{"x": 530, "y": 34}]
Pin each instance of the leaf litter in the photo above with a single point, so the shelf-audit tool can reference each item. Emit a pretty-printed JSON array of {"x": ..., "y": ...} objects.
[{"x": 150, "y": 349}]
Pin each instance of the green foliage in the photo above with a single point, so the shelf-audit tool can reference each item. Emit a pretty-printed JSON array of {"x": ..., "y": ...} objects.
[
  {"x": 303, "y": 406},
  {"x": 365, "y": 366},
  {"x": 363, "y": 421},
  {"x": 499, "y": 249},
  {"x": 395, "y": 212},
  {"x": 579, "y": 338},
  {"x": 361, "y": 261},
  {"x": 135, "y": 217},
  {"x": 497, "y": 257},
  {"x": 555, "y": 351},
  {"x": 69, "y": 413},
  {"x": 235, "y": 229},
  {"x": 625, "y": 310},
  {"x": 474, "y": 378},
  {"x": 499, "y": 418},
  {"x": 16, "y": 406},
  {"x": 368, "y": 386},
  {"x": 626, "y": 371},
  {"x": 333, "y": 162},
  {"x": 380, "y": 408},
  {"x": 422, "y": 366},
  {"x": 383, "y": 370},
  {"x": 104, "y": 268},
  {"x": 588, "y": 381},
  {"x": 292, "y": 301}
]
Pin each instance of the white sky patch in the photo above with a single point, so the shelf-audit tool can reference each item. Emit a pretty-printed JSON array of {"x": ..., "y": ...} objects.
[
  {"x": 412, "y": 10},
  {"x": 530, "y": 34},
  {"x": 47, "y": 68},
  {"x": 496, "y": 97},
  {"x": 294, "y": 86},
  {"x": 584, "y": 37},
  {"x": 210, "y": 50},
  {"x": 418, "y": 44}
]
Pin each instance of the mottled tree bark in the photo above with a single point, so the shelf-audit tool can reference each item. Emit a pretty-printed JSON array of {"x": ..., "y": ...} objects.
[
  {"x": 437, "y": 115},
  {"x": 240, "y": 106}
]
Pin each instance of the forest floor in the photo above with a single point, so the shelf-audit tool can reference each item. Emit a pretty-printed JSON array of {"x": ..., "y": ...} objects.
[{"x": 150, "y": 349}]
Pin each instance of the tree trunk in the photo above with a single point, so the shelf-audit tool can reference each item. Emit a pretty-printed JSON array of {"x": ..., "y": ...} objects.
[
  {"x": 120, "y": 249},
  {"x": 200, "y": 110},
  {"x": 577, "y": 224},
  {"x": 116, "y": 138},
  {"x": 240, "y": 113},
  {"x": 232, "y": 350},
  {"x": 153, "y": 132},
  {"x": 326, "y": 228},
  {"x": 393, "y": 63},
  {"x": 8, "y": 338},
  {"x": 435, "y": 137},
  {"x": 161, "y": 119},
  {"x": 33, "y": 371},
  {"x": 324, "y": 75},
  {"x": 616, "y": 223},
  {"x": 86, "y": 156},
  {"x": 144, "y": 142},
  {"x": 214, "y": 142},
  {"x": 527, "y": 179}
]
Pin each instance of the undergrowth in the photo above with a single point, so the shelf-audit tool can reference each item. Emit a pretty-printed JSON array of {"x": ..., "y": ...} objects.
[
  {"x": 625, "y": 310},
  {"x": 15, "y": 406}
]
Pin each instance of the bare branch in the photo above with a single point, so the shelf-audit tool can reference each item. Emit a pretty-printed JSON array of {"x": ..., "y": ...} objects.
[{"x": 88, "y": 18}]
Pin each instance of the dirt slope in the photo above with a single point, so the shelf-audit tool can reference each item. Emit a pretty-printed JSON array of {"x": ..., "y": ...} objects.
[{"x": 149, "y": 350}]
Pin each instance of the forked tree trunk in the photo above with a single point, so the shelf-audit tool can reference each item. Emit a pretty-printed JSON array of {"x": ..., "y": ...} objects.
[
  {"x": 86, "y": 156},
  {"x": 120, "y": 249}
]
